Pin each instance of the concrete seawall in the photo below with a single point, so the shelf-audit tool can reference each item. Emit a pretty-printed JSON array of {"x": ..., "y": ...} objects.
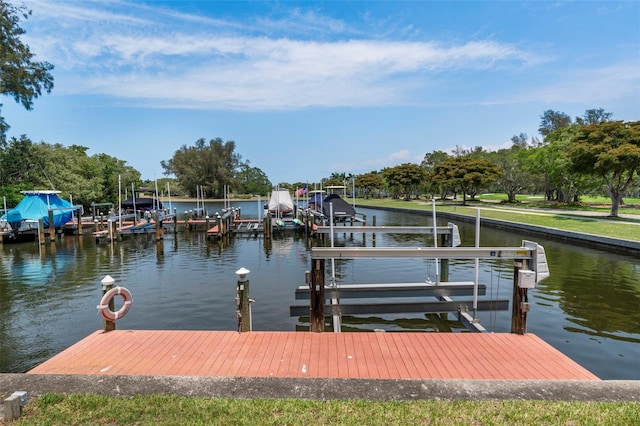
[
  {"x": 323, "y": 389},
  {"x": 590, "y": 239}
]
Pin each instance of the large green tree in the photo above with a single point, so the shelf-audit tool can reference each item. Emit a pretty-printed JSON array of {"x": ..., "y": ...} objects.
[
  {"x": 550, "y": 121},
  {"x": 564, "y": 183},
  {"x": 252, "y": 180},
  {"x": 611, "y": 150},
  {"x": 369, "y": 182},
  {"x": 514, "y": 176},
  {"x": 594, "y": 116},
  {"x": 21, "y": 76},
  {"x": 405, "y": 179},
  {"x": 211, "y": 165},
  {"x": 465, "y": 174}
]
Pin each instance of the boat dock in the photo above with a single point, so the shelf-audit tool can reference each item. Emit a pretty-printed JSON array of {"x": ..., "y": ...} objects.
[{"x": 276, "y": 354}]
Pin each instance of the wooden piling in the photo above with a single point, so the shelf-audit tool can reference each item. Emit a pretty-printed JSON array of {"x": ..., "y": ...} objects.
[
  {"x": 110, "y": 230},
  {"x": 317, "y": 295},
  {"x": 219, "y": 224},
  {"x": 106, "y": 286},
  {"x": 52, "y": 227},
  {"x": 158, "y": 219},
  {"x": 266, "y": 225},
  {"x": 41, "y": 235},
  {"x": 244, "y": 308},
  {"x": 518, "y": 300},
  {"x": 79, "y": 222}
]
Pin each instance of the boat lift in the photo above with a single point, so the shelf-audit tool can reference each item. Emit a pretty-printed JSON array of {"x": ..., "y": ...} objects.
[{"x": 530, "y": 267}]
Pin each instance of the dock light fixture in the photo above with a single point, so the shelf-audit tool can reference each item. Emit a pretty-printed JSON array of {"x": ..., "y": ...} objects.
[
  {"x": 242, "y": 274},
  {"x": 107, "y": 282}
]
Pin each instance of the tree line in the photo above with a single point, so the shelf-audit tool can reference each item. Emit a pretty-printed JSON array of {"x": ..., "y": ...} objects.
[{"x": 591, "y": 155}]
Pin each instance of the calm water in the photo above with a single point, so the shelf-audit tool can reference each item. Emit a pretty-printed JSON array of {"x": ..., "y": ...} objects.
[{"x": 588, "y": 308}]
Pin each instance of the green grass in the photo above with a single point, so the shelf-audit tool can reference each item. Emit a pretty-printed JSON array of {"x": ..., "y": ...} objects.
[
  {"x": 58, "y": 409},
  {"x": 605, "y": 226},
  {"x": 587, "y": 203}
]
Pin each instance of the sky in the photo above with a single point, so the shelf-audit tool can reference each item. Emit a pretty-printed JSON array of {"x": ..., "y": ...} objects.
[{"x": 306, "y": 89}]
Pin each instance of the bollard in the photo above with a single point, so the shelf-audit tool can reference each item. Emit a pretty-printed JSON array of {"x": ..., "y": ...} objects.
[
  {"x": 107, "y": 284},
  {"x": 243, "y": 303}
]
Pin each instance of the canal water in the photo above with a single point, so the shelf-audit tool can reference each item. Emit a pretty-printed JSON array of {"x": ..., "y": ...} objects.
[{"x": 589, "y": 308}]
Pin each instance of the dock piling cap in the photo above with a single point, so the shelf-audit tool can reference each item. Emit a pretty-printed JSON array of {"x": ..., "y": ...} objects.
[
  {"x": 107, "y": 281},
  {"x": 242, "y": 273}
]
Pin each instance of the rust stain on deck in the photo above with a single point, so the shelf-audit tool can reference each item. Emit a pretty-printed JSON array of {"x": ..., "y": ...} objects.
[{"x": 317, "y": 355}]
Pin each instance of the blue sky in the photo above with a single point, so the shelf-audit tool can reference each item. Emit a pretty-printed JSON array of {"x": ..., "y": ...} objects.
[{"x": 310, "y": 88}]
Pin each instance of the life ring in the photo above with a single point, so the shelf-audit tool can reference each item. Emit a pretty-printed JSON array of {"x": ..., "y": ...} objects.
[{"x": 103, "y": 307}]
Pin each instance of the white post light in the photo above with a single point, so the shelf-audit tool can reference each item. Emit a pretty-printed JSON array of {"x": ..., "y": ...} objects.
[
  {"x": 107, "y": 282},
  {"x": 242, "y": 274}
]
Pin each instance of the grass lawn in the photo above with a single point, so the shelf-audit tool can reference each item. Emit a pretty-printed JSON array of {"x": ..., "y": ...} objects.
[
  {"x": 606, "y": 226},
  {"x": 587, "y": 203},
  {"x": 58, "y": 409}
]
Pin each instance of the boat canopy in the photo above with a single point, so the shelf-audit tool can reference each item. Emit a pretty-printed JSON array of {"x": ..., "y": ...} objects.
[
  {"x": 341, "y": 209},
  {"x": 36, "y": 205},
  {"x": 281, "y": 202}
]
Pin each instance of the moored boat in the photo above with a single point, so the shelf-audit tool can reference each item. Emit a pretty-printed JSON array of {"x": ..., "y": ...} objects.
[
  {"x": 280, "y": 203},
  {"x": 35, "y": 206},
  {"x": 143, "y": 199}
]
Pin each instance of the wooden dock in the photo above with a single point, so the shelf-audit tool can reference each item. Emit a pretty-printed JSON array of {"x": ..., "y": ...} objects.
[{"x": 374, "y": 355}]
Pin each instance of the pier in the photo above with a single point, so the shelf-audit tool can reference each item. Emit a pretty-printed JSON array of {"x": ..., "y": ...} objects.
[{"x": 499, "y": 356}]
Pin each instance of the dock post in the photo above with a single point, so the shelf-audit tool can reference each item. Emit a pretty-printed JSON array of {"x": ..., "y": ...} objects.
[
  {"x": 266, "y": 225},
  {"x": 107, "y": 284},
  {"x": 373, "y": 237},
  {"x": 520, "y": 304},
  {"x": 219, "y": 224},
  {"x": 79, "y": 223},
  {"x": 110, "y": 230},
  {"x": 175, "y": 221},
  {"x": 316, "y": 298},
  {"x": 41, "y": 235},
  {"x": 52, "y": 227},
  {"x": 243, "y": 303},
  {"x": 158, "y": 219}
]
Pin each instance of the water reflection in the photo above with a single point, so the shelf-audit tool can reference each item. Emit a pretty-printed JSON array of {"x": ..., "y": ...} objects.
[{"x": 588, "y": 308}]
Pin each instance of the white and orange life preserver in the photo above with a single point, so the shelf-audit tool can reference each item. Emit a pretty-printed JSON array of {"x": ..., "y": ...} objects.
[{"x": 103, "y": 307}]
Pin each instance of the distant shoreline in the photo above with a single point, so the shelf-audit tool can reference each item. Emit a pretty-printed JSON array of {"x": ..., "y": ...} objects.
[{"x": 206, "y": 200}]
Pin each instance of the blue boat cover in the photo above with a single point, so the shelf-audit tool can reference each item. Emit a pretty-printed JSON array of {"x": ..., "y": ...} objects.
[{"x": 36, "y": 206}]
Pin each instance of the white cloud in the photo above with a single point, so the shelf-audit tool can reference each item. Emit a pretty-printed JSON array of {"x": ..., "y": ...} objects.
[
  {"x": 149, "y": 61},
  {"x": 155, "y": 57}
]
